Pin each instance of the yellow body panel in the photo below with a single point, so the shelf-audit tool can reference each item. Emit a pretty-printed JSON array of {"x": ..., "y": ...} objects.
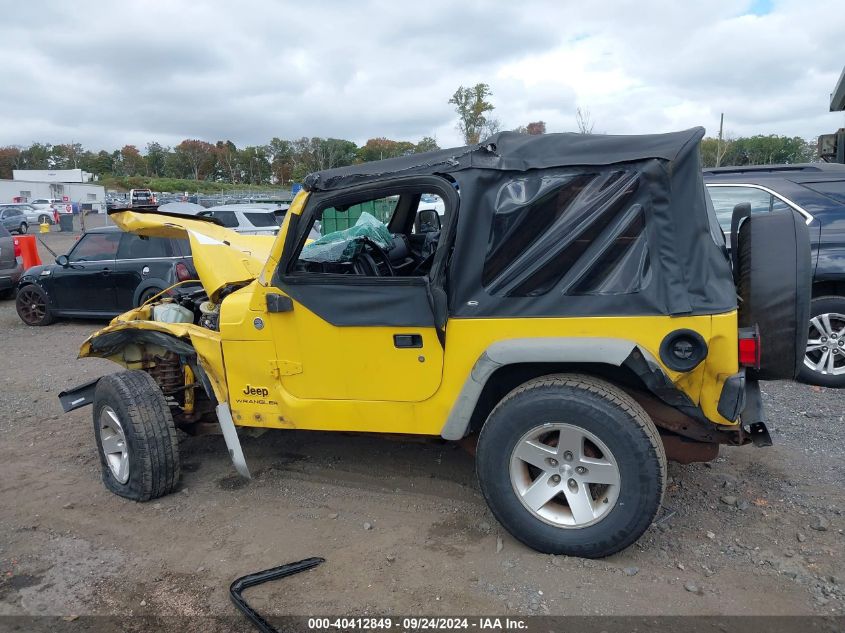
[
  {"x": 295, "y": 370},
  {"x": 318, "y": 376},
  {"x": 221, "y": 256}
]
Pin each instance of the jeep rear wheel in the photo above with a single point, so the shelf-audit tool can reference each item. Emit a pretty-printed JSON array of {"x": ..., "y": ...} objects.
[
  {"x": 570, "y": 464},
  {"x": 136, "y": 437}
]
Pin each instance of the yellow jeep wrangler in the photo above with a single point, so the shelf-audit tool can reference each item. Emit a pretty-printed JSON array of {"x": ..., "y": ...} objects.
[{"x": 564, "y": 304}]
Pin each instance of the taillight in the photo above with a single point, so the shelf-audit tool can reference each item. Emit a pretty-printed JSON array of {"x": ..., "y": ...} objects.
[
  {"x": 749, "y": 348},
  {"x": 17, "y": 248},
  {"x": 182, "y": 272}
]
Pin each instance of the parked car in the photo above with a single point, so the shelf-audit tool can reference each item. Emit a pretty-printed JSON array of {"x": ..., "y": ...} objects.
[
  {"x": 141, "y": 197},
  {"x": 576, "y": 322},
  {"x": 11, "y": 263},
  {"x": 106, "y": 272},
  {"x": 54, "y": 205},
  {"x": 14, "y": 219},
  {"x": 817, "y": 192},
  {"x": 33, "y": 215},
  {"x": 250, "y": 219}
]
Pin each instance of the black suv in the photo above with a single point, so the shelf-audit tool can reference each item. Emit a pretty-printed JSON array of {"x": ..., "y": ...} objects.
[{"x": 817, "y": 192}]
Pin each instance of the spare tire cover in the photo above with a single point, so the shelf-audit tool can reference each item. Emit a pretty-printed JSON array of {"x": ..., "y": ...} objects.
[{"x": 773, "y": 284}]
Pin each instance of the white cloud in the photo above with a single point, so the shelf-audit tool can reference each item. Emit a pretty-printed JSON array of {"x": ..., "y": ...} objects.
[{"x": 106, "y": 74}]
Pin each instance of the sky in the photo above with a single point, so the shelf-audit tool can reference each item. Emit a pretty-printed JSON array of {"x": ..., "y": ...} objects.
[{"x": 111, "y": 73}]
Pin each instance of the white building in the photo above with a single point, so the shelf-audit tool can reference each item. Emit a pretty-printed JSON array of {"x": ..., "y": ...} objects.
[
  {"x": 29, "y": 190},
  {"x": 52, "y": 175}
]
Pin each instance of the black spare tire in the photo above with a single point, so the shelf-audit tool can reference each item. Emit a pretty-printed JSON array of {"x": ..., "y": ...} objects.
[{"x": 773, "y": 284}]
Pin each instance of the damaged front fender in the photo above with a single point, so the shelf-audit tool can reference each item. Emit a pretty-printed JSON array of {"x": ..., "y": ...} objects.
[{"x": 129, "y": 342}]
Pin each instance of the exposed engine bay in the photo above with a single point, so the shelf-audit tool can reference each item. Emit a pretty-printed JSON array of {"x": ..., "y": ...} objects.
[{"x": 190, "y": 305}]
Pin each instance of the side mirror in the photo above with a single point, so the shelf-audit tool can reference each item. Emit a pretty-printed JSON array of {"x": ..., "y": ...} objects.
[
  {"x": 63, "y": 261},
  {"x": 428, "y": 221}
]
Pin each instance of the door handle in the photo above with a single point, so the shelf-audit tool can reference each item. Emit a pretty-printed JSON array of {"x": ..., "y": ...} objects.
[
  {"x": 407, "y": 340},
  {"x": 105, "y": 271}
]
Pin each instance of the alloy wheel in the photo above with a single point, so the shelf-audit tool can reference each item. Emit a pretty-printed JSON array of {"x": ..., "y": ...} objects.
[
  {"x": 32, "y": 306},
  {"x": 564, "y": 475},
  {"x": 825, "y": 352},
  {"x": 113, "y": 442}
]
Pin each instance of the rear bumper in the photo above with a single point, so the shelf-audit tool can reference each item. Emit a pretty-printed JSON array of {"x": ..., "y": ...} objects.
[
  {"x": 754, "y": 415},
  {"x": 9, "y": 277}
]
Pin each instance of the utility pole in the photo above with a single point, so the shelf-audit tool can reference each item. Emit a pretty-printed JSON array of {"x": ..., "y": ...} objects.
[{"x": 719, "y": 144}]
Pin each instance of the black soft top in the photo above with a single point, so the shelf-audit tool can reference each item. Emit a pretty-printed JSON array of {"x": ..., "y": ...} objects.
[
  {"x": 572, "y": 224},
  {"x": 512, "y": 151}
]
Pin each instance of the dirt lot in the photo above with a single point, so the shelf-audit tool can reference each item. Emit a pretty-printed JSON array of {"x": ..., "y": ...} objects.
[{"x": 403, "y": 526}]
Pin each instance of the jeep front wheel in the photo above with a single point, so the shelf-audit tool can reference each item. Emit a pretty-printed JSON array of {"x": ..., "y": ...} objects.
[
  {"x": 570, "y": 464},
  {"x": 136, "y": 437}
]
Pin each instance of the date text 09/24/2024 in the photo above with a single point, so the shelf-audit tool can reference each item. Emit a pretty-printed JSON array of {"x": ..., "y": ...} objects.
[{"x": 417, "y": 624}]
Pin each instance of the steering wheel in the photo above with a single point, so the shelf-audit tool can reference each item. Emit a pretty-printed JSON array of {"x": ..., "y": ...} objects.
[{"x": 382, "y": 254}]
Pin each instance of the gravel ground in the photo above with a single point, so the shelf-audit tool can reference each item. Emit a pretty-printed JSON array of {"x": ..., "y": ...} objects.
[{"x": 403, "y": 526}]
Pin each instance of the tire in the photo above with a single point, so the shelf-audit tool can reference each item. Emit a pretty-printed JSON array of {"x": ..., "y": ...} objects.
[
  {"x": 827, "y": 330},
  {"x": 618, "y": 432},
  {"x": 23, "y": 228},
  {"x": 148, "y": 294},
  {"x": 33, "y": 306},
  {"x": 774, "y": 280},
  {"x": 133, "y": 421}
]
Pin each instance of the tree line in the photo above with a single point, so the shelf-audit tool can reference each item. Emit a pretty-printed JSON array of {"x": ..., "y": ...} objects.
[
  {"x": 284, "y": 161},
  {"x": 279, "y": 162}
]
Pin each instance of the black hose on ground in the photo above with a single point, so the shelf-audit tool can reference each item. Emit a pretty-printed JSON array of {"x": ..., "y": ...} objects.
[{"x": 243, "y": 583}]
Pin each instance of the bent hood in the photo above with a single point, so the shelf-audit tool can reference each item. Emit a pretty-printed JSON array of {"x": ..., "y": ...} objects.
[{"x": 222, "y": 257}]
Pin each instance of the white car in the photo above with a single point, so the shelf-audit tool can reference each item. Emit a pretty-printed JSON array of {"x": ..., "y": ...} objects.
[
  {"x": 251, "y": 219},
  {"x": 54, "y": 205},
  {"x": 33, "y": 214}
]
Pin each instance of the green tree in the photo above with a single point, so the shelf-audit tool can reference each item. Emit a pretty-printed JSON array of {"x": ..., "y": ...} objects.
[
  {"x": 227, "y": 157},
  {"x": 471, "y": 106},
  {"x": 156, "y": 159},
  {"x": 66, "y": 156},
  {"x": 36, "y": 156},
  {"x": 283, "y": 159},
  {"x": 102, "y": 163},
  {"x": 333, "y": 152},
  {"x": 760, "y": 149},
  {"x": 254, "y": 163},
  {"x": 176, "y": 166},
  {"x": 426, "y": 144}
]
